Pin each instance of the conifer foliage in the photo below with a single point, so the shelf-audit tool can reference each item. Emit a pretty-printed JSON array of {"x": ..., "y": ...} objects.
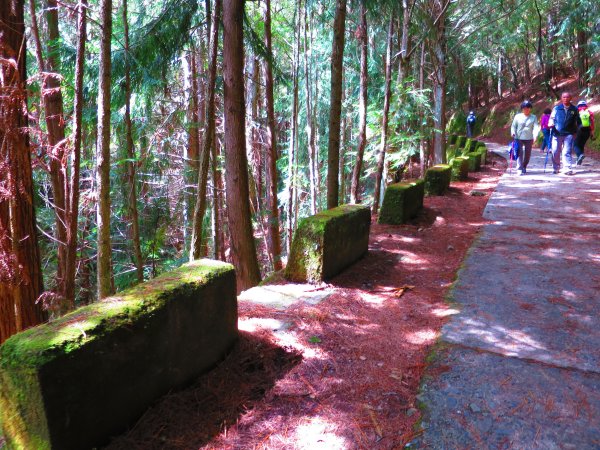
[{"x": 158, "y": 132}]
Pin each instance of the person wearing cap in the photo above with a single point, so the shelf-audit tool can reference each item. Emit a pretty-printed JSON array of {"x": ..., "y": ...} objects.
[
  {"x": 585, "y": 130},
  {"x": 564, "y": 121},
  {"x": 471, "y": 119},
  {"x": 524, "y": 129}
]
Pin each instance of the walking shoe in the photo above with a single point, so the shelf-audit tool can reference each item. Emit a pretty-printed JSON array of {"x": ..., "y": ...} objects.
[
  {"x": 555, "y": 172},
  {"x": 580, "y": 159},
  {"x": 522, "y": 172}
]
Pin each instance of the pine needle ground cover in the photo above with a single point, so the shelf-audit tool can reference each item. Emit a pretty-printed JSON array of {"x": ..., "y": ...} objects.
[{"x": 341, "y": 374}]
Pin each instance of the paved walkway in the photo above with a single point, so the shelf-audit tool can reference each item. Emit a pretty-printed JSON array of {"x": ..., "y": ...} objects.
[{"x": 519, "y": 363}]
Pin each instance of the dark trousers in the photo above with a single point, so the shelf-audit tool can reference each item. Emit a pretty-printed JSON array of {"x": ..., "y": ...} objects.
[
  {"x": 524, "y": 153},
  {"x": 470, "y": 130},
  {"x": 583, "y": 134},
  {"x": 546, "y": 145}
]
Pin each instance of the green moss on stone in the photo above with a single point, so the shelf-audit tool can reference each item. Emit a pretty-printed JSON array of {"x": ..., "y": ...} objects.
[
  {"x": 401, "y": 202},
  {"x": 482, "y": 150},
  {"x": 474, "y": 161},
  {"x": 328, "y": 242},
  {"x": 460, "y": 168},
  {"x": 84, "y": 376},
  {"x": 452, "y": 139},
  {"x": 461, "y": 141},
  {"x": 437, "y": 179}
]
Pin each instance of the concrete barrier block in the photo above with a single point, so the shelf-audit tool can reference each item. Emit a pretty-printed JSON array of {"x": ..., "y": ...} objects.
[
  {"x": 328, "y": 242},
  {"x": 402, "y": 201},
  {"x": 437, "y": 179},
  {"x": 75, "y": 382}
]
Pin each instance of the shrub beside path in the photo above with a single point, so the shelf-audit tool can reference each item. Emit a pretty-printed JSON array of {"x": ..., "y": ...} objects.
[{"x": 518, "y": 364}]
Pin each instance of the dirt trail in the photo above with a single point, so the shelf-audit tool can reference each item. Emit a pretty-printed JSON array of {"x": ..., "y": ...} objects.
[
  {"x": 519, "y": 361},
  {"x": 343, "y": 373}
]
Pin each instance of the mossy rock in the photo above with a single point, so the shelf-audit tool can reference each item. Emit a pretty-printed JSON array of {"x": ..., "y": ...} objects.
[
  {"x": 75, "y": 382},
  {"x": 327, "y": 243},
  {"x": 401, "y": 202},
  {"x": 460, "y": 168},
  {"x": 452, "y": 139},
  {"x": 474, "y": 161},
  {"x": 461, "y": 141},
  {"x": 470, "y": 146},
  {"x": 437, "y": 179}
]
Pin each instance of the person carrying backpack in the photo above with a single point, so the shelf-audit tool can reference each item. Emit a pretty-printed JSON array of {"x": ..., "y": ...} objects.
[
  {"x": 585, "y": 130},
  {"x": 471, "y": 119},
  {"x": 564, "y": 122},
  {"x": 524, "y": 129}
]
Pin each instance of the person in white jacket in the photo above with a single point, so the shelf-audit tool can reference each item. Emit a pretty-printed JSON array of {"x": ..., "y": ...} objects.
[{"x": 524, "y": 129}]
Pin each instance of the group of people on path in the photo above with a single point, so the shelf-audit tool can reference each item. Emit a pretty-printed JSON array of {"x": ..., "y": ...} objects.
[{"x": 565, "y": 128}]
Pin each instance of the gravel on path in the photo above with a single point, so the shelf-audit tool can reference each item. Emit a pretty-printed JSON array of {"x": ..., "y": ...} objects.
[{"x": 518, "y": 365}]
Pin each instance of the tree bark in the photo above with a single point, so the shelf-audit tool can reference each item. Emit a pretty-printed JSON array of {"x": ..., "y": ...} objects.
[
  {"x": 104, "y": 259},
  {"x": 291, "y": 182},
  {"x": 439, "y": 82},
  {"x": 73, "y": 201},
  {"x": 310, "y": 129},
  {"x": 51, "y": 96},
  {"x": 271, "y": 147},
  {"x": 386, "y": 112},
  {"x": 131, "y": 165},
  {"x": 201, "y": 201},
  {"x": 20, "y": 272},
  {"x": 243, "y": 249},
  {"x": 362, "y": 108},
  {"x": 335, "y": 110}
]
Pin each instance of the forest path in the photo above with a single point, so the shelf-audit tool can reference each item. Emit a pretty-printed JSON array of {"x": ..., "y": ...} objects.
[{"x": 518, "y": 365}]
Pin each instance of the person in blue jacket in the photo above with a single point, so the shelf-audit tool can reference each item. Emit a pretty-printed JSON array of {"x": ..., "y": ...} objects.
[
  {"x": 564, "y": 122},
  {"x": 471, "y": 119}
]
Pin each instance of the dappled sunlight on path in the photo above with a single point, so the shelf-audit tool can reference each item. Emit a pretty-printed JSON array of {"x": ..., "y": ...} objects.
[{"x": 528, "y": 312}]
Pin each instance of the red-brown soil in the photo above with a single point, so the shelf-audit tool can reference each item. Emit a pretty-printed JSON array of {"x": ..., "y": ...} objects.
[{"x": 346, "y": 372}]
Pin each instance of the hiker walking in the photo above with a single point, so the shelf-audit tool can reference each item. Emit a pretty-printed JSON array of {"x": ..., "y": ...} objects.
[
  {"x": 546, "y": 145},
  {"x": 524, "y": 129},
  {"x": 471, "y": 119},
  {"x": 585, "y": 130},
  {"x": 564, "y": 121}
]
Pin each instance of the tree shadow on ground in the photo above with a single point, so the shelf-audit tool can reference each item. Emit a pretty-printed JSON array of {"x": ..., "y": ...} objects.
[{"x": 191, "y": 417}]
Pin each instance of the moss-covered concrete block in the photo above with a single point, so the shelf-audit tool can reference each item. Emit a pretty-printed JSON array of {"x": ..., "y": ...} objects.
[
  {"x": 460, "y": 168},
  {"x": 401, "y": 202},
  {"x": 451, "y": 152},
  {"x": 75, "y": 382},
  {"x": 437, "y": 179},
  {"x": 474, "y": 161},
  {"x": 327, "y": 243},
  {"x": 482, "y": 150},
  {"x": 461, "y": 141},
  {"x": 452, "y": 139}
]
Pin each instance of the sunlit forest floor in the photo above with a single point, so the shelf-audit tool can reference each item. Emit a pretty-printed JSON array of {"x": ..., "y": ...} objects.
[{"x": 341, "y": 374}]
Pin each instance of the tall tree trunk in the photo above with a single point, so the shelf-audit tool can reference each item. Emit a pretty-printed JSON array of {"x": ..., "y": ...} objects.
[
  {"x": 51, "y": 96},
  {"x": 310, "y": 129},
  {"x": 73, "y": 201},
  {"x": 131, "y": 164},
  {"x": 439, "y": 83},
  {"x": 216, "y": 207},
  {"x": 405, "y": 41},
  {"x": 243, "y": 249},
  {"x": 291, "y": 182},
  {"x": 362, "y": 108},
  {"x": 335, "y": 109},
  {"x": 192, "y": 150},
  {"x": 200, "y": 209},
  {"x": 386, "y": 112},
  {"x": 20, "y": 274},
  {"x": 271, "y": 147},
  {"x": 104, "y": 259}
]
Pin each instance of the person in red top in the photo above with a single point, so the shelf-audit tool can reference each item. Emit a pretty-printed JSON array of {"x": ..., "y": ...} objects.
[
  {"x": 585, "y": 130},
  {"x": 545, "y": 129}
]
